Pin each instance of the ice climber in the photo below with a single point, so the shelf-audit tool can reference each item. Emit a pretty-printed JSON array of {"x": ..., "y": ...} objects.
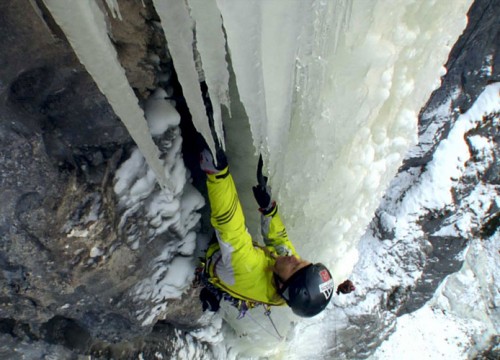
[{"x": 249, "y": 274}]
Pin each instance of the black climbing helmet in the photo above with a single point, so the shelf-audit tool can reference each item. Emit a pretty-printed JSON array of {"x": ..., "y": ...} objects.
[{"x": 309, "y": 290}]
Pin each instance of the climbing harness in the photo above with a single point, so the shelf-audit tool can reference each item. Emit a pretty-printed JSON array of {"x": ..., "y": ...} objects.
[
  {"x": 202, "y": 278},
  {"x": 243, "y": 306}
]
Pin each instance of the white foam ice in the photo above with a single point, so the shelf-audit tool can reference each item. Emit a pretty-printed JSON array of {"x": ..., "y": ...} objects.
[
  {"x": 161, "y": 114},
  {"x": 170, "y": 217}
]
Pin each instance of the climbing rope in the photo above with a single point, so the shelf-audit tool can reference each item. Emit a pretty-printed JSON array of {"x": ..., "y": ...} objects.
[
  {"x": 278, "y": 336},
  {"x": 335, "y": 329},
  {"x": 268, "y": 314}
]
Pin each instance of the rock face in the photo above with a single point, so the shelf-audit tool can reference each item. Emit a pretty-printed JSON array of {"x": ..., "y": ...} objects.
[{"x": 67, "y": 273}]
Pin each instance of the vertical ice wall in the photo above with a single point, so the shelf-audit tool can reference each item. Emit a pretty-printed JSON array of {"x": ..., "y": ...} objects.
[
  {"x": 84, "y": 25},
  {"x": 354, "y": 118},
  {"x": 332, "y": 103},
  {"x": 278, "y": 59},
  {"x": 363, "y": 71},
  {"x": 242, "y": 21}
]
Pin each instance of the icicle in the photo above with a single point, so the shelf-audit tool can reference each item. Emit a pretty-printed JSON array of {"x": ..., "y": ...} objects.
[
  {"x": 242, "y": 21},
  {"x": 263, "y": 38},
  {"x": 281, "y": 35},
  {"x": 114, "y": 8},
  {"x": 178, "y": 28},
  {"x": 84, "y": 25},
  {"x": 211, "y": 44}
]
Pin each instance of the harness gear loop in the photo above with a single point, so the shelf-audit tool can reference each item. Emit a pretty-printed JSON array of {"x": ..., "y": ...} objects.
[
  {"x": 267, "y": 309},
  {"x": 243, "y": 308}
]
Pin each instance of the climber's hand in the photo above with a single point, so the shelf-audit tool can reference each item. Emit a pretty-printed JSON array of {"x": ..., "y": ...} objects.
[
  {"x": 207, "y": 163},
  {"x": 346, "y": 287},
  {"x": 262, "y": 195},
  {"x": 261, "y": 191}
]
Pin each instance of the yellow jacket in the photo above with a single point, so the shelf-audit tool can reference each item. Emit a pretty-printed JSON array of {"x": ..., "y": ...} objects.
[{"x": 234, "y": 263}]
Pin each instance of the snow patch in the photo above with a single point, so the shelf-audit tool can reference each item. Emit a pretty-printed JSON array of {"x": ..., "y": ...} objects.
[
  {"x": 160, "y": 113},
  {"x": 427, "y": 334},
  {"x": 462, "y": 316}
]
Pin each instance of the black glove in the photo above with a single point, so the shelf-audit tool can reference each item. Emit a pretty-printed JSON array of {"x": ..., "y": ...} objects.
[
  {"x": 261, "y": 191},
  {"x": 262, "y": 196},
  {"x": 209, "y": 300}
]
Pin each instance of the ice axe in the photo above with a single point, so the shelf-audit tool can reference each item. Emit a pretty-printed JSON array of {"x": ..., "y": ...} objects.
[
  {"x": 261, "y": 179},
  {"x": 261, "y": 191}
]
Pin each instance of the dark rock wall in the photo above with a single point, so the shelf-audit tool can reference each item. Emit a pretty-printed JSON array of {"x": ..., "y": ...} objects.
[
  {"x": 65, "y": 271},
  {"x": 60, "y": 141}
]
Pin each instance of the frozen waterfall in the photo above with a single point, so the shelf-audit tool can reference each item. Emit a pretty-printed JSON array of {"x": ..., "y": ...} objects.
[
  {"x": 332, "y": 99},
  {"x": 331, "y": 91}
]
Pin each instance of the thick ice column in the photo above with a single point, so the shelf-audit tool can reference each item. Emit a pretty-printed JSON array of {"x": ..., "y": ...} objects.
[
  {"x": 211, "y": 44},
  {"x": 355, "y": 115},
  {"x": 178, "y": 27},
  {"x": 263, "y": 38},
  {"x": 84, "y": 25}
]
